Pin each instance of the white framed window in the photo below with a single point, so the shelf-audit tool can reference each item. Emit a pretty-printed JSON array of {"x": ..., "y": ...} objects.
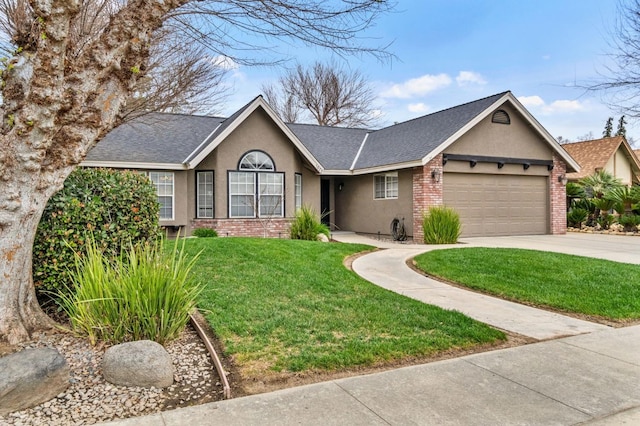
[
  {"x": 204, "y": 195},
  {"x": 257, "y": 189},
  {"x": 385, "y": 186},
  {"x": 298, "y": 191},
  {"x": 242, "y": 194},
  {"x": 164, "y": 184}
]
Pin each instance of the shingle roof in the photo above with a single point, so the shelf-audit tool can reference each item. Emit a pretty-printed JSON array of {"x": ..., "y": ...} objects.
[
  {"x": 592, "y": 155},
  {"x": 334, "y": 147},
  {"x": 414, "y": 139},
  {"x": 155, "y": 138}
]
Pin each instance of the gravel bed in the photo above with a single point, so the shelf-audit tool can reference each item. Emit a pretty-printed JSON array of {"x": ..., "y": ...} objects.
[{"x": 90, "y": 399}]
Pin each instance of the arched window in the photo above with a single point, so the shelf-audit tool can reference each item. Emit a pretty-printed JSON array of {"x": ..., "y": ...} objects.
[
  {"x": 256, "y": 160},
  {"x": 256, "y": 189},
  {"x": 501, "y": 117}
]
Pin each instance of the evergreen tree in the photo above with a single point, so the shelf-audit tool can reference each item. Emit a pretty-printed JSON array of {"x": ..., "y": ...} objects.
[
  {"x": 608, "y": 128},
  {"x": 622, "y": 131}
]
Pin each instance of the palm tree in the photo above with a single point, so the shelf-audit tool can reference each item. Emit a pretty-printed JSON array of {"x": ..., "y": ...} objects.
[
  {"x": 600, "y": 183},
  {"x": 625, "y": 196}
]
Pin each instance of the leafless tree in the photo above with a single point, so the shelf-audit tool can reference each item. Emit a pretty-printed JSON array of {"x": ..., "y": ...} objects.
[
  {"x": 621, "y": 82},
  {"x": 63, "y": 90},
  {"x": 325, "y": 94},
  {"x": 180, "y": 76}
]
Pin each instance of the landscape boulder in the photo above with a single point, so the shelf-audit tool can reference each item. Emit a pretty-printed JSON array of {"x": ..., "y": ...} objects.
[
  {"x": 143, "y": 363},
  {"x": 31, "y": 377},
  {"x": 323, "y": 238}
]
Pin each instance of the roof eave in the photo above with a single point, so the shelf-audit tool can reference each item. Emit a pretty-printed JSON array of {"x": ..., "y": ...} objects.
[{"x": 134, "y": 165}]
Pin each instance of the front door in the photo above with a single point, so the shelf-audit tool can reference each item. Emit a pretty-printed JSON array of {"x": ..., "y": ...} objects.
[{"x": 325, "y": 200}]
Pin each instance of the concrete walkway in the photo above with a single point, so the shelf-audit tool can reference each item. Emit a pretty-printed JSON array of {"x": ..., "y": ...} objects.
[
  {"x": 388, "y": 269},
  {"x": 590, "y": 378}
]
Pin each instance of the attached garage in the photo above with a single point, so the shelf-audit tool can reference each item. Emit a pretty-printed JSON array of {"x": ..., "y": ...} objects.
[{"x": 493, "y": 205}]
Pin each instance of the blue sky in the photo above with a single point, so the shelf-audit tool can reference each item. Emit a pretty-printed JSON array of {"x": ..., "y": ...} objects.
[{"x": 454, "y": 51}]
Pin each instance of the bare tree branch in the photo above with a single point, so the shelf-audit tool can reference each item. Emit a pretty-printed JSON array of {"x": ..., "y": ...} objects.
[{"x": 328, "y": 94}]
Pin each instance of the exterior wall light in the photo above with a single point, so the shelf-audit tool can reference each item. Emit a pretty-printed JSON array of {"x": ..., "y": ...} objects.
[
  {"x": 435, "y": 175},
  {"x": 563, "y": 179},
  {"x": 340, "y": 186}
]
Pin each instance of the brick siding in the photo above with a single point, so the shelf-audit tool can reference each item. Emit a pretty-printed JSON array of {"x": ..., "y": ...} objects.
[
  {"x": 558, "y": 197},
  {"x": 426, "y": 192},
  {"x": 274, "y": 228}
]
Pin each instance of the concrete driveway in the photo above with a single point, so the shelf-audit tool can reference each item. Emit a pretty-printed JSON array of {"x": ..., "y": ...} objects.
[{"x": 619, "y": 248}]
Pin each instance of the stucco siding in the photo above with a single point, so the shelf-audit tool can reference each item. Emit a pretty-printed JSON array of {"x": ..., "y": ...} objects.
[
  {"x": 357, "y": 210},
  {"x": 515, "y": 140},
  {"x": 622, "y": 167}
]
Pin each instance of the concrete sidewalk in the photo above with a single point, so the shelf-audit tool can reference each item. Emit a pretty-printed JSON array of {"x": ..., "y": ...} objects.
[
  {"x": 589, "y": 378},
  {"x": 592, "y": 378}
]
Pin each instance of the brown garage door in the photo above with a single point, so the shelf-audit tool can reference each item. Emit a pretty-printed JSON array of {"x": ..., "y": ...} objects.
[{"x": 498, "y": 204}]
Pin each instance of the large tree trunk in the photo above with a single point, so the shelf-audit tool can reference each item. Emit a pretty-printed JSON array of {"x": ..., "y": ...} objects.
[
  {"x": 20, "y": 313},
  {"x": 55, "y": 107}
]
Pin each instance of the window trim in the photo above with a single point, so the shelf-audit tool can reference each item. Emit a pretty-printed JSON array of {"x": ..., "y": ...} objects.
[
  {"x": 386, "y": 185},
  {"x": 213, "y": 194},
  {"x": 297, "y": 198},
  {"x": 273, "y": 163},
  {"x": 173, "y": 193}
]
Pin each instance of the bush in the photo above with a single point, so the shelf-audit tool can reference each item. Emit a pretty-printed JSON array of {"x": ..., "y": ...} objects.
[
  {"x": 117, "y": 207},
  {"x": 605, "y": 221},
  {"x": 630, "y": 222},
  {"x": 441, "y": 225},
  {"x": 204, "y": 233},
  {"x": 145, "y": 293},
  {"x": 307, "y": 225},
  {"x": 577, "y": 216}
]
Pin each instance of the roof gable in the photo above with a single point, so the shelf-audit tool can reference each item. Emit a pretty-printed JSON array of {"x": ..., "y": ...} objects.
[
  {"x": 594, "y": 154},
  {"x": 417, "y": 141},
  {"x": 232, "y": 123}
]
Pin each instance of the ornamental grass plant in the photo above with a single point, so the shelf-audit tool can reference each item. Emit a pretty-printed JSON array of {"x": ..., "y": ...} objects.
[
  {"x": 145, "y": 293},
  {"x": 307, "y": 225},
  {"x": 441, "y": 225}
]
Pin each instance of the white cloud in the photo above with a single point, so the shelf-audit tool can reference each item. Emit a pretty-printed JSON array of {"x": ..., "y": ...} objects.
[
  {"x": 556, "y": 107},
  {"x": 224, "y": 62},
  {"x": 417, "y": 86},
  {"x": 531, "y": 101},
  {"x": 466, "y": 78},
  {"x": 566, "y": 106},
  {"x": 419, "y": 107}
]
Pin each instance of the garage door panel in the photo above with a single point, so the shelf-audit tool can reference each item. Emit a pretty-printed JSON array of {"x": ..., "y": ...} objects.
[{"x": 498, "y": 204}]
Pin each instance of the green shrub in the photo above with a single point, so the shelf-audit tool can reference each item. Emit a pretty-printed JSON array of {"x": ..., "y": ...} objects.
[
  {"x": 577, "y": 216},
  {"x": 204, "y": 233},
  {"x": 629, "y": 221},
  {"x": 307, "y": 225},
  {"x": 117, "y": 207},
  {"x": 441, "y": 225},
  {"x": 605, "y": 221},
  {"x": 146, "y": 293}
]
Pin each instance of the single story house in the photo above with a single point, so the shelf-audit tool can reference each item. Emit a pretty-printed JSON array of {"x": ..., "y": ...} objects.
[
  {"x": 613, "y": 155},
  {"x": 247, "y": 174}
]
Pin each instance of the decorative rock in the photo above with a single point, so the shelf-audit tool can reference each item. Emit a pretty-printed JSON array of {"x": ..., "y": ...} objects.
[
  {"x": 30, "y": 377},
  {"x": 323, "y": 238},
  {"x": 143, "y": 363}
]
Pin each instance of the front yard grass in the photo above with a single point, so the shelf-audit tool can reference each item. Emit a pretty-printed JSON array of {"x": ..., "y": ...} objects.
[
  {"x": 289, "y": 306},
  {"x": 573, "y": 284}
]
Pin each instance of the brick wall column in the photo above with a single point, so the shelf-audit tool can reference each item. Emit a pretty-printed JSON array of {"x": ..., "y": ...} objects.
[
  {"x": 557, "y": 197},
  {"x": 427, "y": 191}
]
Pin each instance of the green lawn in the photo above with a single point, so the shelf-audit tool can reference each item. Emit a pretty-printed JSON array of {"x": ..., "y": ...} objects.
[
  {"x": 594, "y": 287},
  {"x": 282, "y": 305}
]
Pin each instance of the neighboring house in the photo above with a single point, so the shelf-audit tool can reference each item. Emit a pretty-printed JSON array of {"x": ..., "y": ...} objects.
[
  {"x": 247, "y": 174},
  {"x": 613, "y": 155}
]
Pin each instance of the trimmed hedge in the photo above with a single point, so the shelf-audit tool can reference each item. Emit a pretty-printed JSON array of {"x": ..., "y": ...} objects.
[{"x": 115, "y": 207}]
